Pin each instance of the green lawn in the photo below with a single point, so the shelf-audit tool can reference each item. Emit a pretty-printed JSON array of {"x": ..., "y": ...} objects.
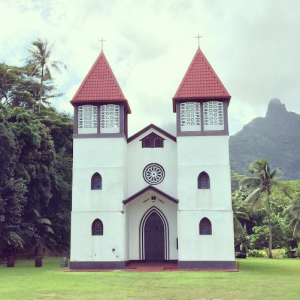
[{"x": 258, "y": 279}]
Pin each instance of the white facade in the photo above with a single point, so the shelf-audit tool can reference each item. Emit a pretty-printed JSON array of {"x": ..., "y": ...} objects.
[
  {"x": 152, "y": 196},
  {"x": 121, "y": 164},
  {"x": 210, "y": 154}
]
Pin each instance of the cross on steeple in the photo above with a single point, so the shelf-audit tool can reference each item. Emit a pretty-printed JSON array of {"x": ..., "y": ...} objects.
[
  {"x": 198, "y": 37},
  {"x": 102, "y": 40}
]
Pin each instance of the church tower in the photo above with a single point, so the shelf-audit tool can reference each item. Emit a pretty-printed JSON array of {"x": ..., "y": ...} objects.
[
  {"x": 205, "y": 218},
  {"x": 99, "y": 170}
]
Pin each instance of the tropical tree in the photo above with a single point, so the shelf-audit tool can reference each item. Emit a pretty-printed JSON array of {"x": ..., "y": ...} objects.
[
  {"x": 12, "y": 190},
  {"x": 261, "y": 186},
  {"x": 242, "y": 241},
  {"x": 293, "y": 214},
  {"x": 38, "y": 64},
  {"x": 238, "y": 214}
]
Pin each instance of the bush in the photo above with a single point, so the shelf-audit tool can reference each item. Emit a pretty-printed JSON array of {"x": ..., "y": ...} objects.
[
  {"x": 254, "y": 253},
  {"x": 240, "y": 254}
]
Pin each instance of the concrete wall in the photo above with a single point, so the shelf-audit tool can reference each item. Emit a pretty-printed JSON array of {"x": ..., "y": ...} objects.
[
  {"x": 195, "y": 247},
  {"x": 196, "y": 154},
  {"x": 108, "y": 157},
  {"x": 139, "y": 158},
  {"x": 88, "y": 247}
]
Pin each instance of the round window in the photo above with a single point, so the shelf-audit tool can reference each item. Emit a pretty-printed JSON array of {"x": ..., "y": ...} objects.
[{"x": 154, "y": 174}]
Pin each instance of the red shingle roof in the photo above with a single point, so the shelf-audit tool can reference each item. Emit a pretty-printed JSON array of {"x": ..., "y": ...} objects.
[
  {"x": 100, "y": 85},
  {"x": 200, "y": 82}
]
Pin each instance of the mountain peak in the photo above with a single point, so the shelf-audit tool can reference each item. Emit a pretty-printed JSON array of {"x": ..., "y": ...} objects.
[
  {"x": 275, "y": 138},
  {"x": 275, "y": 108}
]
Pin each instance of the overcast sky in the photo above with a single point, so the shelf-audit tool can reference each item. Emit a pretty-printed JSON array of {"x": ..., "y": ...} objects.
[{"x": 254, "y": 47}]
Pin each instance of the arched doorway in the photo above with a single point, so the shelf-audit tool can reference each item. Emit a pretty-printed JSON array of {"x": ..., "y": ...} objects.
[{"x": 154, "y": 238}]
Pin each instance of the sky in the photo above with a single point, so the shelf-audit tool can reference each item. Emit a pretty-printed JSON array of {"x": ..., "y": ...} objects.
[{"x": 253, "y": 46}]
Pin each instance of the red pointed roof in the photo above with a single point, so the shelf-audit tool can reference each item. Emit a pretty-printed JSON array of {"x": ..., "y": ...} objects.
[
  {"x": 100, "y": 85},
  {"x": 200, "y": 82}
]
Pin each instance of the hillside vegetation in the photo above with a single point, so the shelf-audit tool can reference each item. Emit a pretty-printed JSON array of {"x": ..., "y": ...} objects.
[{"x": 276, "y": 137}]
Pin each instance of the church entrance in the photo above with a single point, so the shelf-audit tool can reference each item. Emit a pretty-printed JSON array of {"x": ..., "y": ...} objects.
[{"x": 154, "y": 238}]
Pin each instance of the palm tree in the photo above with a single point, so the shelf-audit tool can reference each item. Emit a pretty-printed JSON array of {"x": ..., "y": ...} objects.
[
  {"x": 39, "y": 64},
  {"x": 261, "y": 186},
  {"x": 293, "y": 214}
]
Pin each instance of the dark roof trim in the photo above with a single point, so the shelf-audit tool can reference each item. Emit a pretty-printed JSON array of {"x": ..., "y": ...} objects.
[
  {"x": 152, "y": 133},
  {"x": 168, "y": 135},
  {"x": 146, "y": 189}
]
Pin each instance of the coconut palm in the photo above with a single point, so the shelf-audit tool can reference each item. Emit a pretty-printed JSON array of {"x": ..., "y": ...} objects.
[
  {"x": 293, "y": 214},
  {"x": 261, "y": 186},
  {"x": 38, "y": 64}
]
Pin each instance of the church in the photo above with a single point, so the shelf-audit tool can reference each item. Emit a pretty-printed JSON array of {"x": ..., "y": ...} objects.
[{"x": 152, "y": 196}]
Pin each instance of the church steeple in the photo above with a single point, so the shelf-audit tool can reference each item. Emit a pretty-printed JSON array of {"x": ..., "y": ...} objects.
[
  {"x": 200, "y": 82},
  {"x": 100, "y": 85},
  {"x": 100, "y": 106},
  {"x": 201, "y": 100}
]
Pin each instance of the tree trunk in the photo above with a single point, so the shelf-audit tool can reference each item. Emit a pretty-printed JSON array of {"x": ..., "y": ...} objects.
[
  {"x": 41, "y": 93},
  {"x": 270, "y": 226}
]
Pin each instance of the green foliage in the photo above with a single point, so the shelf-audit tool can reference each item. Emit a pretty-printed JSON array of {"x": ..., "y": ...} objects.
[
  {"x": 12, "y": 189},
  {"x": 281, "y": 200},
  {"x": 35, "y": 179},
  {"x": 236, "y": 180},
  {"x": 35, "y": 157},
  {"x": 292, "y": 214},
  {"x": 280, "y": 196},
  {"x": 254, "y": 253},
  {"x": 242, "y": 241},
  {"x": 18, "y": 89},
  {"x": 239, "y": 213}
]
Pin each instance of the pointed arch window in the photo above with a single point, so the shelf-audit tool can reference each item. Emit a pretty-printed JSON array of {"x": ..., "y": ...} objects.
[
  {"x": 97, "y": 227},
  {"x": 158, "y": 143},
  {"x": 147, "y": 143},
  {"x": 203, "y": 181},
  {"x": 152, "y": 140},
  {"x": 205, "y": 227},
  {"x": 96, "y": 182}
]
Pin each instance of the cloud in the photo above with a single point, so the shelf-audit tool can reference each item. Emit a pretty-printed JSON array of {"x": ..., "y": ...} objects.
[{"x": 253, "y": 46}]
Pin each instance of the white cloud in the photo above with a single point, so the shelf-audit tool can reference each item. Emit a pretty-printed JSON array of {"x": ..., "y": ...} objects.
[{"x": 253, "y": 47}]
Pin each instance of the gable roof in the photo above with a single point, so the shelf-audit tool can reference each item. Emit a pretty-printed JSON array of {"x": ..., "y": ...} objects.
[
  {"x": 200, "y": 82},
  {"x": 148, "y": 188},
  {"x": 142, "y": 131},
  {"x": 100, "y": 85}
]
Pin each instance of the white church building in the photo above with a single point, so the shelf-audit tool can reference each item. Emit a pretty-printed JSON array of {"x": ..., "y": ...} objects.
[{"x": 151, "y": 197}]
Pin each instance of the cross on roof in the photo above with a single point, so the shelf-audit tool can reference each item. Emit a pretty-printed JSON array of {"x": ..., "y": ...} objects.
[
  {"x": 198, "y": 37},
  {"x": 102, "y": 40}
]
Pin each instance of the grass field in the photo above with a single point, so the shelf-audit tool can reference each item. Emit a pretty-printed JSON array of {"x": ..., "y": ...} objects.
[{"x": 258, "y": 279}]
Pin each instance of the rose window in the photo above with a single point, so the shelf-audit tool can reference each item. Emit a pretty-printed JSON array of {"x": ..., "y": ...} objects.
[{"x": 154, "y": 174}]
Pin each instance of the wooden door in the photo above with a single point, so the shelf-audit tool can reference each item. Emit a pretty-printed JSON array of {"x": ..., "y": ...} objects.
[{"x": 154, "y": 238}]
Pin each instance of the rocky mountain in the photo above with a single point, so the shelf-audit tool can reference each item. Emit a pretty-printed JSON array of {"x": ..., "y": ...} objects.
[{"x": 276, "y": 137}]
